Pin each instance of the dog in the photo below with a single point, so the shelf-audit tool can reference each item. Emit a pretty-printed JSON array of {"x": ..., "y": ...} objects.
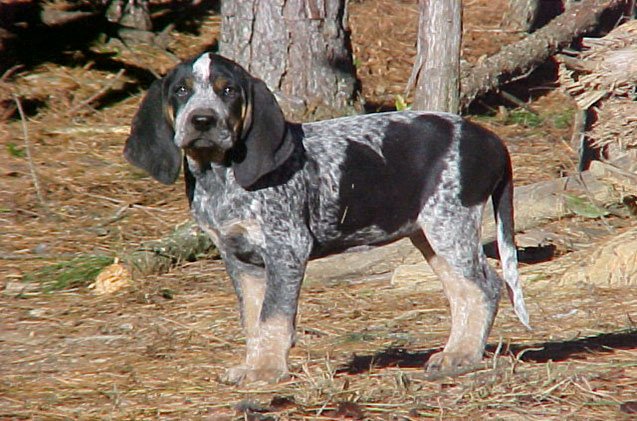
[{"x": 274, "y": 194}]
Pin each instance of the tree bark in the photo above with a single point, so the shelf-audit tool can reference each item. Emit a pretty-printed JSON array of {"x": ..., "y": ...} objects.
[
  {"x": 300, "y": 48},
  {"x": 521, "y": 15},
  {"x": 520, "y": 57},
  {"x": 436, "y": 73}
]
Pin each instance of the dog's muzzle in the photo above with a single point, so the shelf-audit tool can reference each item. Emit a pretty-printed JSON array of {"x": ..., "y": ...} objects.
[
  {"x": 204, "y": 130},
  {"x": 203, "y": 120}
]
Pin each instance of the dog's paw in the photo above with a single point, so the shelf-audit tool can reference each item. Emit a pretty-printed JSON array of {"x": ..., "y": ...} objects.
[
  {"x": 445, "y": 363},
  {"x": 242, "y": 375}
]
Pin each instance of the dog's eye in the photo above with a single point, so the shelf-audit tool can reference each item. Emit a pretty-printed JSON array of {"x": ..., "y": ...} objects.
[
  {"x": 229, "y": 91},
  {"x": 181, "y": 91}
]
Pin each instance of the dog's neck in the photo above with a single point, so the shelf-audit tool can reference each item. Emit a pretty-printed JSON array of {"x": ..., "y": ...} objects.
[{"x": 216, "y": 167}]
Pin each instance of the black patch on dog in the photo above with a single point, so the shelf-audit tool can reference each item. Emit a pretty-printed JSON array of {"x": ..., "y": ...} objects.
[
  {"x": 483, "y": 160},
  {"x": 389, "y": 191}
]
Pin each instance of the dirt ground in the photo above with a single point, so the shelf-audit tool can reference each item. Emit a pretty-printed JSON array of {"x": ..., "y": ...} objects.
[{"x": 157, "y": 349}]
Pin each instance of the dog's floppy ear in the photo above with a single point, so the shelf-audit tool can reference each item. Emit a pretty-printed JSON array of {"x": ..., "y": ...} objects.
[
  {"x": 266, "y": 142},
  {"x": 150, "y": 145}
]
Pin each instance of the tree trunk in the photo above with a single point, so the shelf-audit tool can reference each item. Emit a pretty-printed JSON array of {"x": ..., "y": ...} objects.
[
  {"x": 436, "y": 73},
  {"x": 521, "y": 15},
  {"x": 300, "y": 48}
]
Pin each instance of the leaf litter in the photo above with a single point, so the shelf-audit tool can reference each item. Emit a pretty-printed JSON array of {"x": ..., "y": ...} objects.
[{"x": 157, "y": 348}]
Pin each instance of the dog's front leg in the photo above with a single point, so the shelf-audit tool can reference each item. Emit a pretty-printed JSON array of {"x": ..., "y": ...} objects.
[{"x": 268, "y": 298}]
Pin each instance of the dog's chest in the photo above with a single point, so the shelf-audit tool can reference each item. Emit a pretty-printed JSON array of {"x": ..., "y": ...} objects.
[
  {"x": 225, "y": 213},
  {"x": 243, "y": 221}
]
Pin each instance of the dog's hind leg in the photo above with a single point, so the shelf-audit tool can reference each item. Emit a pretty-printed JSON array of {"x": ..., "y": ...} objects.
[{"x": 452, "y": 248}]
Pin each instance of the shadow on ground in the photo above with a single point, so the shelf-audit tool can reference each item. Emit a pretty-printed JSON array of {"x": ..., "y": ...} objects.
[{"x": 537, "y": 353}]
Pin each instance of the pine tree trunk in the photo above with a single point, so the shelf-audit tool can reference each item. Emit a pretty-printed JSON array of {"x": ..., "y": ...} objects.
[
  {"x": 300, "y": 48},
  {"x": 436, "y": 73}
]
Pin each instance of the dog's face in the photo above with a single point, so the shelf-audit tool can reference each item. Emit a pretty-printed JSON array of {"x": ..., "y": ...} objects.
[
  {"x": 214, "y": 111},
  {"x": 208, "y": 101}
]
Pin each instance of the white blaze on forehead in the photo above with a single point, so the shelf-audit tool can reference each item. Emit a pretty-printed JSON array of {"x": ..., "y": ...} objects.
[
  {"x": 203, "y": 98},
  {"x": 201, "y": 68}
]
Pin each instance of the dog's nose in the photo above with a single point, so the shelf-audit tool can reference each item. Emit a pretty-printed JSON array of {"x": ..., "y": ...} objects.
[{"x": 202, "y": 122}]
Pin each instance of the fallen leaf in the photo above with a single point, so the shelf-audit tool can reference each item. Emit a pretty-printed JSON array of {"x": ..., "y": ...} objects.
[
  {"x": 111, "y": 279},
  {"x": 583, "y": 207}
]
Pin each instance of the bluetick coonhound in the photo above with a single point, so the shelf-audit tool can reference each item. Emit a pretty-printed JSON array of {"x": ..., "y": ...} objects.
[{"x": 274, "y": 194}]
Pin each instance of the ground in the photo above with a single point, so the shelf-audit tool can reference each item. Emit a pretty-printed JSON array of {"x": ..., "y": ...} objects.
[{"x": 156, "y": 350}]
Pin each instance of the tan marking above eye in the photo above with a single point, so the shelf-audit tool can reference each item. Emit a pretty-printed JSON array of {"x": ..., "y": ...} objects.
[{"x": 219, "y": 84}]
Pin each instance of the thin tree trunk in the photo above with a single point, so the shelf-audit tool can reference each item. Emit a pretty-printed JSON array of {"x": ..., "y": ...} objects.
[
  {"x": 300, "y": 48},
  {"x": 436, "y": 73}
]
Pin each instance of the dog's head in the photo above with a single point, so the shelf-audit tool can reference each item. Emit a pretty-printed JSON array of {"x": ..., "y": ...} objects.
[{"x": 214, "y": 111}]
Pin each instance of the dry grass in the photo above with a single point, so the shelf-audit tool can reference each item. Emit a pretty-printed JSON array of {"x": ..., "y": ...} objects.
[
  {"x": 156, "y": 350},
  {"x": 139, "y": 354}
]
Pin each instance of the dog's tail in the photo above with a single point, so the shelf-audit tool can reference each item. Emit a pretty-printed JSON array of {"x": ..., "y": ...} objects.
[{"x": 502, "y": 199}]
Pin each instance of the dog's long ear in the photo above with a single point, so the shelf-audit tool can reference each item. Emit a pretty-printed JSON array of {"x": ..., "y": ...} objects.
[
  {"x": 266, "y": 142},
  {"x": 150, "y": 145}
]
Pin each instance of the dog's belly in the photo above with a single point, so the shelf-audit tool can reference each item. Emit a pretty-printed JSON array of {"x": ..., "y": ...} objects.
[{"x": 334, "y": 242}]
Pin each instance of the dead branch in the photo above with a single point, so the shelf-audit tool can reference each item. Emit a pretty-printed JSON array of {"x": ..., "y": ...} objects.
[
  {"x": 531, "y": 51},
  {"x": 27, "y": 149},
  {"x": 186, "y": 243}
]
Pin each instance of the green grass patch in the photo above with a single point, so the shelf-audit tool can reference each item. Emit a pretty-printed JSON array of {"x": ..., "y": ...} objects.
[
  {"x": 522, "y": 117},
  {"x": 15, "y": 151},
  {"x": 584, "y": 207},
  {"x": 77, "y": 272},
  {"x": 564, "y": 120},
  {"x": 138, "y": 174},
  {"x": 400, "y": 103}
]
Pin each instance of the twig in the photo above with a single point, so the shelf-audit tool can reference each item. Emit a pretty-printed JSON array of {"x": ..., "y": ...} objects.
[
  {"x": 47, "y": 256},
  {"x": 524, "y": 351},
  {"x": 98, "y": 94},
  {"x": 10, "y": 72},
  {"x": 521, "y": 76},
  {"x": 512, "y": 98},
  {"x": 498, "y": 350},
  {"x": 27, "y": 148}
]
